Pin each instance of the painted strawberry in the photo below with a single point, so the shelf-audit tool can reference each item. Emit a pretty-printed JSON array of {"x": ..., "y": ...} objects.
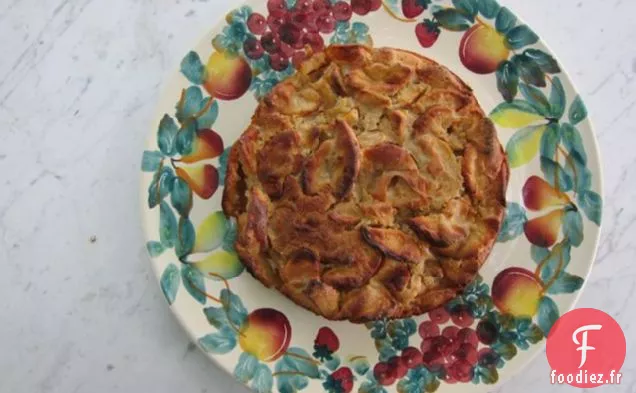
[
  {"x": 427, "y": 33},
  {"x": 414, "y": 8},
  {"x": 326, "y": 344},
  {"x": 341, "y": 381}
]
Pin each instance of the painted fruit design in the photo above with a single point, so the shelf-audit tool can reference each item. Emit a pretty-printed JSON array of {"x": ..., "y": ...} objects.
[
  {"x": 482, "y": 49},
  {"x": 516, "y": 291},
  {"x": 265, "y": 334},
  {"x": 227, "y": 76}
]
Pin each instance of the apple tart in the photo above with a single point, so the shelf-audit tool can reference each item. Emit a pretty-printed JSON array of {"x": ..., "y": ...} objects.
[{"x": 369, "y": 185}]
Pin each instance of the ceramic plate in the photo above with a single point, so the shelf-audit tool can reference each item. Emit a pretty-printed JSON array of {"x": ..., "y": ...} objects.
[{"x": 534, "y": 274}]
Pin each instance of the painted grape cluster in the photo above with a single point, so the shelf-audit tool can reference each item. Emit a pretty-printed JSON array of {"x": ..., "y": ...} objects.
[{"x": 470, "y": 339}]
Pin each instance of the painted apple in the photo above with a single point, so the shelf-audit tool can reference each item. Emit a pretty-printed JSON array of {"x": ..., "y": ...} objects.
[
  {"x": 543, "y": 231},
  {"x": 517, "y": 291},
  {"x": 538, "y": 194},
  {"x": 482, "y": 49},
  {"x": 227, "y": 76},
  {"x": 265, "y": 334},
  {"x": 203, "y": 179},
  {"x": 207, "y": 144}
]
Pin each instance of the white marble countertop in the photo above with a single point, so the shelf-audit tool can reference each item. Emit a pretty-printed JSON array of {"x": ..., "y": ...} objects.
[{"x": 80, "y": 310}]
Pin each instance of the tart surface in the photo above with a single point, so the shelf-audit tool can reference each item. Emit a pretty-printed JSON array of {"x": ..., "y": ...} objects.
[{"x": 369, "y": 185}]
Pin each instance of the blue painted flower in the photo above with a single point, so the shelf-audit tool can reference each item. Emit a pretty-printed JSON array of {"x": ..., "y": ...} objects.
[
  {"x": 347, "y": 33},
  {"x": 418, "y": 380},
  {"x": 476, "y": 296}
]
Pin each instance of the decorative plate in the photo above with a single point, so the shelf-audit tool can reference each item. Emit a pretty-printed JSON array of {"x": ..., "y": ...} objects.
[{"x": 534, "y": 274}]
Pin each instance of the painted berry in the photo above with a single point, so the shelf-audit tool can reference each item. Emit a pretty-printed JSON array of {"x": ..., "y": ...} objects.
[
  {"x": 399, "y": 367},
  {"x": 439, "y": 315},
  {"x": 384, "y": 374},
  {"x": 427, "y": 33},
  {"x": 325, "y": 344},
  {"x": 342, "y": 378}
]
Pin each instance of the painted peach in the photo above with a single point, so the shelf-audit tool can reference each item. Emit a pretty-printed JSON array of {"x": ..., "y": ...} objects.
[
  {"x": 202, "y": 179},
  {"x": 208, "y": 144},
  {"x": 516, "y": 291},
  {"x": 539, "y": 194},
  {"x": 482, "y": 49},
  {"x": 227, "y": 76},
  {"x": 265, "y": 334},
  {"x": 543, "y": 231}
]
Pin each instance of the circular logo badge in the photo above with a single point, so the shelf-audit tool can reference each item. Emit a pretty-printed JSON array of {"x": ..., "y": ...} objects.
[{"x": 586, "y": 348}]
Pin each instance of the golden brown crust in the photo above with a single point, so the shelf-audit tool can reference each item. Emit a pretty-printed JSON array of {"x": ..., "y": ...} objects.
[{"x": 369, "y": 185}]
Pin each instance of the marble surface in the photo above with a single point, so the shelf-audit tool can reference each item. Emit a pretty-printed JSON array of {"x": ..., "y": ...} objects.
[{"x": 80, "y": 309}]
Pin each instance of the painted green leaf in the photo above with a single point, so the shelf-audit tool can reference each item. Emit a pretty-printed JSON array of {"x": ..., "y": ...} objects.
[
  {"x": 166, "y": 135},
  {"x": 573, "y": 227},
  {"x": 506, "y": 350},
  {"x": 263, "y": 380},
  {"x": 524, "y": 145},
  {"x": 289, "y": 383},
  {"x": 578, "y": 111},
  {"x": 557, "y": 99},
  {"x": 556, "y": 175},
  {"x": 207, "y": 119},
  {"x": 521, "y": 36},
  {"x": 557, "y": 261},
  {"x": 489, "y": 375},
  {"x": 529, "y": 71},
  {"x": 488, "y": 8},
  {"x": 167, "y": 226},
  {"x": 193, "y": 69},
  {"x": 298, "y": 363},
  {"x": 229, "y": 240},
  {"x": 566, "y": 283},
  {"x": 217, "y": 317},
  {"x": 194, "y": 283},
  {"x": 515, "y": 114},
  {"x": 592, "y": 205},
  {"x": 160, "y": 186},
  {"x": 547, "y": 63},
  {"x": 181, "y": 197},
  {"x": 538, "y": 254},
  {"x": 186, "y": 237},
  {"x": 246, "y": 367},
  {"x": 155, "y": 248},
  {"x": 548, "y": 314},
  {"x": 360, "y": 365},
  {"x": 334, "y": 363},
  {"x": 219, "y": 343},
  {"x": 453, "y": 20},
  {"x": 573, "y": 142},
  {"x": 223, "y": 160},
  {"x": 508, "y": 80},
  {"x": 185, "y": 138},
  {"x": 170, "y": 281},
  {"x": 536, "y": 98},
  {"x": 189, "y": 104},
  {"x": 576, "y": 169},
  {"x": 467, "y": 7},
  {"x": 151, "y": 161},
  {"x": 550, "y": 140},
  {"x": 513, "y": 223},
  {"x": 234, "y": 307},
  {"x": 506, "y": 20}
]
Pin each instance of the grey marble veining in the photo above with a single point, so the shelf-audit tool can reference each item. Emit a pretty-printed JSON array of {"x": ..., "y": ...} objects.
[{"x": 79, "y": 80}]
